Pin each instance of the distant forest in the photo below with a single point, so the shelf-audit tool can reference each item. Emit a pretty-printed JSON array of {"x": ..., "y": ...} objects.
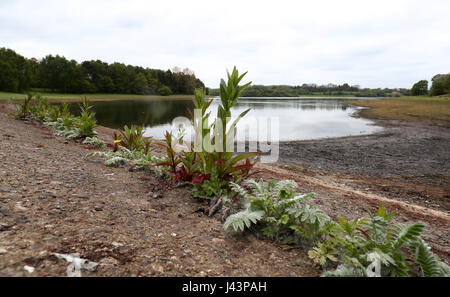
[
  {"x": 317, "y": 90},
  {"x": 440, "y": 86},
  {"x": 57, "y": 74}
]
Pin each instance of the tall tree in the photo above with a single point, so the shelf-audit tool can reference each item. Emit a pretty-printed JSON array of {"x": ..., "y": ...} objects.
[{"x": 420, "y": 88}]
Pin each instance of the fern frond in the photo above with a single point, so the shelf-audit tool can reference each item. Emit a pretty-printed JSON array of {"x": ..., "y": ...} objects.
[
  {"x": 309, "y": 214},
  {"x": 115, "y": 161},
  {"x": 378, "y": 255},
  {"x": 429, "y": 263},
  {"x": 403, "y": 234},
  {"x": 242, "y": 219},
  {"x": 295, "y": 200},
  {"x": 285, "y": 188},
  {"x": 94, "y": 141},
  {"x": 240, "y": 190}
]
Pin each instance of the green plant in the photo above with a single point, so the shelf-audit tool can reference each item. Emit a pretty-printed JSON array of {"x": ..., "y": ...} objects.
[
  {"x": 86, "y": 122},
  {"x": 23, "y": 110},
  {"x": 39, "y": 110},
  {"x": 133, "y": 139},
  {"x": 171, "y": 161},
  {"x": 396, "y": 248},
  {"x": 54, "y": 112},
  {"x": 164, "y": 91},
  {"x": 94, "y": 141},
  {"x": 124, "y": 155},
  {"x": 219, "y": 162},
  {"x": 279, "y": 212}
]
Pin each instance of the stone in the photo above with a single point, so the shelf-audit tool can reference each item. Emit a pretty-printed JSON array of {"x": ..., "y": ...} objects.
[
  {"x": 5, "y": 212},
  {"x": 29, "y": 269},
  {"x": 109, "y": 261},
  {"x": 81, "y": 196}
]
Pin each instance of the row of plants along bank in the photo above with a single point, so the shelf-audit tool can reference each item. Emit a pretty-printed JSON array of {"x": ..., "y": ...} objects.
[{"x": 368, "y": 246}]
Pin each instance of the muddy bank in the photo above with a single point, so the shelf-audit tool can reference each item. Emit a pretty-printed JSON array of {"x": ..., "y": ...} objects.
[
  {"x": 403, "y": 148},
  {"x": 409, "y": 160}
]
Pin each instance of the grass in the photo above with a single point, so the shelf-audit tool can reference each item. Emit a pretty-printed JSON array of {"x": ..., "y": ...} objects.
[
  {"x": 418, "y": 108},
  {"x": 93, "y": 97}
]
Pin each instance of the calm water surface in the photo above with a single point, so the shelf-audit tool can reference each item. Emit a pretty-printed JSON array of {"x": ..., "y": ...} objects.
[{"x": 299, "y": 119}]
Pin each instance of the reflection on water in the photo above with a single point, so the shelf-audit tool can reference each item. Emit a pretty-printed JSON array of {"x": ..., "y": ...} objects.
[{"x": 299, "y": 119}]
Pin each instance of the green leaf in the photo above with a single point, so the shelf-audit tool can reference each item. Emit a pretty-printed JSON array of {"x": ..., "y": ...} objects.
[{"x": 240, "y": 220}]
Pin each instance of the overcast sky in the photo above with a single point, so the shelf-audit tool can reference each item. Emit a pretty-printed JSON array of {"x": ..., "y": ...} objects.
[{"x": 371, "y": 43}]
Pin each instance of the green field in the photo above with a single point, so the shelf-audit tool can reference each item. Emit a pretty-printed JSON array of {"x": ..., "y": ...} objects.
[
  {"x": 414, "y": 108},
  {"x": 94, "y": 97}
]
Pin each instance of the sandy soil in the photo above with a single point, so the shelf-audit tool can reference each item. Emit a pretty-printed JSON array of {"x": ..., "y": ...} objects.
[{"x": 53, "y": 200}]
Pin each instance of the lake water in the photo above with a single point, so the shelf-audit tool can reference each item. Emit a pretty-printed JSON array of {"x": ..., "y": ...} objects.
[{"x": 299, "y": 119}]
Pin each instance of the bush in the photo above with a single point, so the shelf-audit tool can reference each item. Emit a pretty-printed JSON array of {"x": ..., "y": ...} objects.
[
  {"x": 392, "y": 249},
  {"x": 280, "y": 213},
  {"x": 219, "y": 167},
  {"x": 133, "y": 139},
  {"x": 357, "y": 246},
  {"x": 86, "y": 122},
  {"x": 164, "y": 91}
]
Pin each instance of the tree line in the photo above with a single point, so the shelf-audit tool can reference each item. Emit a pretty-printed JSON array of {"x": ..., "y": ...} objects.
[
  {"x": 316, "y": 90},
  {"x": 58, "y": 74},
  {"x": 440, "y": 85}
]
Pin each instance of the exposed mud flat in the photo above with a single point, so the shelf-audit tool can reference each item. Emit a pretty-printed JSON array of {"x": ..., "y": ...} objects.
[
  {"x": 408, "y": 160},
  {"x": 53, "y": 200}
]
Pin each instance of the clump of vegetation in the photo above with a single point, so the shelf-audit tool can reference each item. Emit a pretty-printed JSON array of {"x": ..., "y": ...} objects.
[
  {"x": 132, "y": 139},
  {"x": 58, "y": 119},
  {"x": 86, "y": 122},
  {"x": 23, "y": 110},
  {"x": 210, "y": 168},
  {"x": 164, "y": 91},
  {"x": 357, "y": 247},
  {"x": 125, "y": 156},
  {"x": 130, "y": 147},
  {"x": 219, "y": 165},
  {"x": 365, "y": 243},
  {"x": 68, "y": 125},
  {"x": 94, "y": 141},
  {"x": 279, "y": 213}
]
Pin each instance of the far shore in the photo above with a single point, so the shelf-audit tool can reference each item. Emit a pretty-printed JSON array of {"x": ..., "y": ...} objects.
[
  {"x": 55, "y": 97},
  {"x": 93, "y": 97}
]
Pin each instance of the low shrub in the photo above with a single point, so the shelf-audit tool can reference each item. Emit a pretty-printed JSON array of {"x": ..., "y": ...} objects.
[
  {"x": 125, "y": 156},
  {"x": 86, "y": 122},
  {"x": 279, "y": 213},
  {"x": 94, "y": 141},
  {"x": 368, "y": 246},
  {"x": 132, "y": 139},
  {"x": 164, "y": 91}
]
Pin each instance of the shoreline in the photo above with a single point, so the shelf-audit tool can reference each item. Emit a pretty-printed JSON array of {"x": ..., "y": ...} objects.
[{"x": 53, "y": 200}]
